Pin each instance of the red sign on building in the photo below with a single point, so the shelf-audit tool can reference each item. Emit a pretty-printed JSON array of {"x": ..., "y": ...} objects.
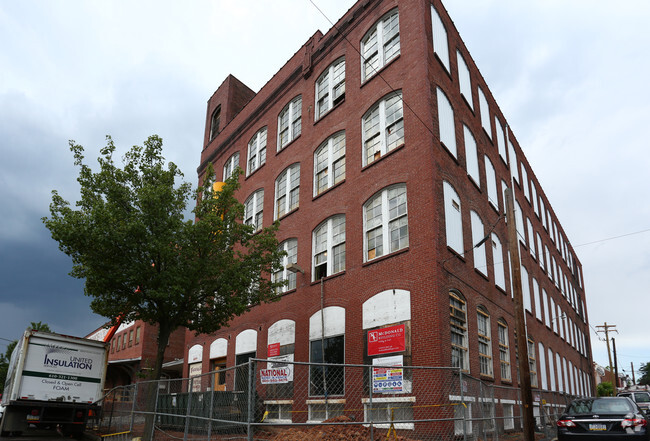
[
  {"x": 273, "y": 350},
  {"x": 387, "y": 340}
]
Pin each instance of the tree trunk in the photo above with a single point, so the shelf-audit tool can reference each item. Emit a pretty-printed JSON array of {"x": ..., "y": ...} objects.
[{"x": 164, "y": 331}]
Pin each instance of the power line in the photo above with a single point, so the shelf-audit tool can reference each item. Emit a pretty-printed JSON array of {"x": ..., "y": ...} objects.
[
  {"x": 612, "y": 238},
  {"x": 376, "y": 72}
]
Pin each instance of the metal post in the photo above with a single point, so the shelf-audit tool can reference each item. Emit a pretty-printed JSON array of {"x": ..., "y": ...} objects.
[
  {"x": 110, "y": 417},
  {"x": 372, "y": 428},
  {"x": 211, "y": 406},
  {"x": 187, "y": 412},
  {"x": 462, "y": 402},
  {"x": 135, "y": 396},
  {"x": 251, "y": 397}
]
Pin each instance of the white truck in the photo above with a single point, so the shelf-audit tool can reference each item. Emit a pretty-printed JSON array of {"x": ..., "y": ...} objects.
[{"x": 53, "y": 382}]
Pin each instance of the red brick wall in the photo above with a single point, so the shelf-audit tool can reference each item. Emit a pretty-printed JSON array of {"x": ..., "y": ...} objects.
[{"x": 427, "y": 268}]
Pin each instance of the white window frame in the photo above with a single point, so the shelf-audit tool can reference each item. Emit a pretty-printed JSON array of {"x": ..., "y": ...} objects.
[
  {"x": 329, "y": 162},
  {"x": 525, "y": 288},
  {"x": 492, "y": 186},
  {"x": 379, "y": 37},
  {"x": 446, "y": 123},
  {"x": 256, "y": 151},
  {"x": 501, "y": 139},
  {"x": 453, "y": 218},
  {"x": 387, "y": 403},
  {"x": 504, "y": 351},
  {"x": 332, "y": 245},
  {"x": 536, "y": 298},
  {"x": 471, "y": 155},
  {"x": 514, "y": 173},
  {"x": 458, "y": 326},
  {"x": 329, "y": 88},
  {"x": 290, "y": 246},
  {"x": 387, "y": 221},
  {"x": 287, "y": 191},
  {"x": 484, "y": 108},
  {"x": 524, "y": 181},
  {"x": 498, "y": 262},
  {"x": 484, "y": 341},
  {"x": 292, "y": 125},
  {"x": 231, "y": 164},
  {"x": 440, "y": 38},
  {"x": 254, "y": 209},
  {"x": 464, "y": 80},
  {"x": 478, "y": 233},
  {"x": 532, "y": 361},
  {"x": 531, "y": 238},
  {"x": 388, "y": 131}
]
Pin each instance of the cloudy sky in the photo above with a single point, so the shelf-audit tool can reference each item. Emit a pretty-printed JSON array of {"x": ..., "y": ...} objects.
[{"x": 570, "y": 77}]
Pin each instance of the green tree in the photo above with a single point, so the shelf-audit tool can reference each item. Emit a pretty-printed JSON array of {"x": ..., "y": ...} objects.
[
  {"x": 645, "y": 374},
  {"x": 142, "y": 259},
  {"x": 605, "y": 389},
  {"x": 4, "y": 358}
]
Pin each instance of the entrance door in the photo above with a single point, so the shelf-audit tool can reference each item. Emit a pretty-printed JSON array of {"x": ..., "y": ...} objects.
[{"x": 218, "y": 365}]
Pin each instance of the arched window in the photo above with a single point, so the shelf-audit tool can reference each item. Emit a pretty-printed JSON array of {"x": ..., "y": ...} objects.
[
  {"x": 330, "y": 88},
  {"x": 478, "y": 233},
  {"x": 504, "y": 350},
  {"x": 532, "y": 362},
  {"x": 498, "y": 261},
  {"x": 254, "y": 209},
  {"x": 484, "y": 341},
  {"x": 440, "y": 40},
  {"x": 256, "y": 151},
  {"x": 329, "y": 163},
  {"x": 230, "y": 165},
  {"x": 458, "y": 324},
  {"x": 385, "y": 222},
  {"x": 326, "y": 345},
  {"x": 382, "y": 127},
  {"x": 290, "y": 246},
  {"x": 446, "y": 123},
  {"x": 287, "y": 191},
  {"x": 289, "y": 122},
  {"x": 380, "y": 45},
  {"x": 453, "y": 219},
  {"x": 215, "y": 120},
  {"x": 329, "y": 247},
  {"x": 472, "y": 156}
]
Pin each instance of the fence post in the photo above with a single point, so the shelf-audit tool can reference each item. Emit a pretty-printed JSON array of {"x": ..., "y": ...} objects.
[
  {"x": 372, "y": 427},
  {"x": 189, "y": 406},
  {"x": 134, "y": 398},
  {"x": 212, "y": 377},
  {"x": 462, "y": 402},
  {"x": 110, "y": 417},
  {"x": 251, "y": 397}
]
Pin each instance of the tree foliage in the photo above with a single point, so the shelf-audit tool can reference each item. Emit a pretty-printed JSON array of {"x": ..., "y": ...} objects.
[
  {"x": 129, "y": 240},
  {"x": 645, "y": 374},
  {"x": 4, "y": 358},
  {"x": 605, "y": 389}
]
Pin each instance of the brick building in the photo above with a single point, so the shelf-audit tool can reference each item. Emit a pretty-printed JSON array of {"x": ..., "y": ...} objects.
[
  {"x": 382, "y": 152},
  {"x": 132, "y": 355}
]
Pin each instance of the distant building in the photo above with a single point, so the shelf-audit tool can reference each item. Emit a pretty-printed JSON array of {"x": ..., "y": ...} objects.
[
  {"x": 384, "y": 155},
  {"x": 132, "y": 353}
]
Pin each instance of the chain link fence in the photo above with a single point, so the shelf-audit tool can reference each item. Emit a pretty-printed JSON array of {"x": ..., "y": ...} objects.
[{"x": 285, "y": 400}]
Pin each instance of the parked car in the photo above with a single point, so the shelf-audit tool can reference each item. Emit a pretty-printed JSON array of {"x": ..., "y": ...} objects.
[
  {"x": 642, "y": 399},
  {"x": 611, "y": 418}
]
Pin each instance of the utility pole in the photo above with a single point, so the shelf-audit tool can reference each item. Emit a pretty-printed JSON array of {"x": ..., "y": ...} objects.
[
  {"x": 606, "y": 329},
  {"x": 520, "y": 322},
  {"x": 615, "y": 366},
  {"x": 633, "y": 379}
]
